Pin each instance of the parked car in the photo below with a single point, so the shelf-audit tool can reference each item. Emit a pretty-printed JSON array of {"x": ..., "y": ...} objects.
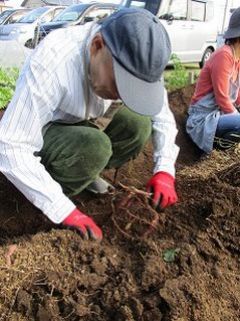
[
  {"x": 77, "y": 14},
  {"x": 190, "y": 24},
  {"x": 23, "y": 31},
  {"x": 12, "y": 15}
]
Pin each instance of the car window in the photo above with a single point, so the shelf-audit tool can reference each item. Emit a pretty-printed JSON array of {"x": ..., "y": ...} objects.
[
  {"x": 209, "y": 10},
  {"x": 198, "y": 10},
  {"x": 16, "y": 16},
  {"x": 70, "y": 16},
  {"x": 138, "y": 4},
  {"x": 33, "y": 15},
  {"x": 47, "y": 17},
  {"x": 57, "y": 11},
  {"x": 71, "y": 13},
  {"x": 4, "y": 15},
  {"x": 97, "y": 14},
  {"x": 176, "y": 9},
  {"x": 150, "y": 5}
]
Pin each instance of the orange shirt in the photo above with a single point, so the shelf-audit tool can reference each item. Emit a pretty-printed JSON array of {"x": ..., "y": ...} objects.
[{"x": 216, "y": 75}]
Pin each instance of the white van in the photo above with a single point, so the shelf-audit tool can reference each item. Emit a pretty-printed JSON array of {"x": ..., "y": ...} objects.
[{"x": 191, "y": 26}]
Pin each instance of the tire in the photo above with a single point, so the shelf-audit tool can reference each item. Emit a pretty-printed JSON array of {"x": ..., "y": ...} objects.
[{"x": 205, "y": 57}]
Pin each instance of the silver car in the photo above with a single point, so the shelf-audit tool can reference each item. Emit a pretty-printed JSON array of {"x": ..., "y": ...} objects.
[
  {"x": 77, "y": 14},
  {"x": 12, "y": 15},
  {"x": 191, "y": 24},
  {"x": 23, "y": 30}
]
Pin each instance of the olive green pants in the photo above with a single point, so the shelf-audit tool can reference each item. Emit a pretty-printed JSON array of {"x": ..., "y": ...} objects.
[{"x": 75, "y": 155}]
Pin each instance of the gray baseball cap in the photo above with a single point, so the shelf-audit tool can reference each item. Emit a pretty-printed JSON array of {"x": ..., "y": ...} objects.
[
  {"x": 233, "y": 30},
  {"x": 141, "y": 49}
]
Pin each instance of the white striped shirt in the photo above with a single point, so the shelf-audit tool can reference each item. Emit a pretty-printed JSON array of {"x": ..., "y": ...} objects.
[{"x": 51, "y": 87}]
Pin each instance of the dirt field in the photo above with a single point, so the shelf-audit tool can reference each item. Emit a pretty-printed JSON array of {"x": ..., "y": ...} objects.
[{"x": 180, "y": 265}]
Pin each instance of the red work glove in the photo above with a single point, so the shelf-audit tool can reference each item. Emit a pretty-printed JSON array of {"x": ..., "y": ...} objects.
[
  {"x": 161, "y": 185},
  {"x": 83, "y": 224}
]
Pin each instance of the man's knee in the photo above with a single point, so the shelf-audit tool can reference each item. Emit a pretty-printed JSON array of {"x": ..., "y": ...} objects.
[
  {"x": 75, "y": 146},
  {"x": 102, "y": 146},
  {"x": 95, "y": 146}
]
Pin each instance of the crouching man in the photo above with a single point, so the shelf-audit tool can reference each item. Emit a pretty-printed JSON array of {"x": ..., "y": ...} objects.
[{"x": 49, "y": 148}]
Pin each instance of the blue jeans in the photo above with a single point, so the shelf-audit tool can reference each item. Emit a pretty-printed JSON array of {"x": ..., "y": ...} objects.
[
  {"x": 228, "y": 131},
  {"x": 228, "y": 123}
]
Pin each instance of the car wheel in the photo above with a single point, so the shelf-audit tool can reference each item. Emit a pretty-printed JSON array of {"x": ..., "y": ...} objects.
[{"x": 205, "y": 57}]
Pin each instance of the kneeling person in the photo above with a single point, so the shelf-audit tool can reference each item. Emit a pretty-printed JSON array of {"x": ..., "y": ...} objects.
[{"x": 48, "y": 146}]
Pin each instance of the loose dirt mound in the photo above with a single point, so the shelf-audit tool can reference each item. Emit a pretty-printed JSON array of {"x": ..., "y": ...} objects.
[{"x": 179, "y": 265}]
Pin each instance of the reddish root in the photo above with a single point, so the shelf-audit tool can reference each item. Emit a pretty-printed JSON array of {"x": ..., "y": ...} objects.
[
  {"x": 11, "y": 249},
  {"x": 130, "y": 201}
]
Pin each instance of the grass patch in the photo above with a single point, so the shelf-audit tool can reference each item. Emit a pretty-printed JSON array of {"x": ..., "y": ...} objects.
[
  {"x": 8, "y": 78},
  {"x": 180, "y": 75}
]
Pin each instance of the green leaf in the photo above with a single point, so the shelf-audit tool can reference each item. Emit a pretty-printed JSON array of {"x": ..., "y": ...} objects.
[{"x": 169, "y": 255}]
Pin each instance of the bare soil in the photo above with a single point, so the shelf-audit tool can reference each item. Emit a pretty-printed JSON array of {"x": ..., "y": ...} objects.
[{"x": 178, "y": 265}]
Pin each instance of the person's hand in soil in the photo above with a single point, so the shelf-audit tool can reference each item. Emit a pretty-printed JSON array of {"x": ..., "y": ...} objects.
[
  {"x": 84, "y": 225},
  {"x": 162, "y": 188}
]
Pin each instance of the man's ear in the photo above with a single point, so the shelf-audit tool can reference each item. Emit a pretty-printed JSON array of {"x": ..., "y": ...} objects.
[{"x": 97, "y": 44}]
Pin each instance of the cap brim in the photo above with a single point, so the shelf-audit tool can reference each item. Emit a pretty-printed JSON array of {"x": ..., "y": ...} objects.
[{"x": 142, "y": 97}]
